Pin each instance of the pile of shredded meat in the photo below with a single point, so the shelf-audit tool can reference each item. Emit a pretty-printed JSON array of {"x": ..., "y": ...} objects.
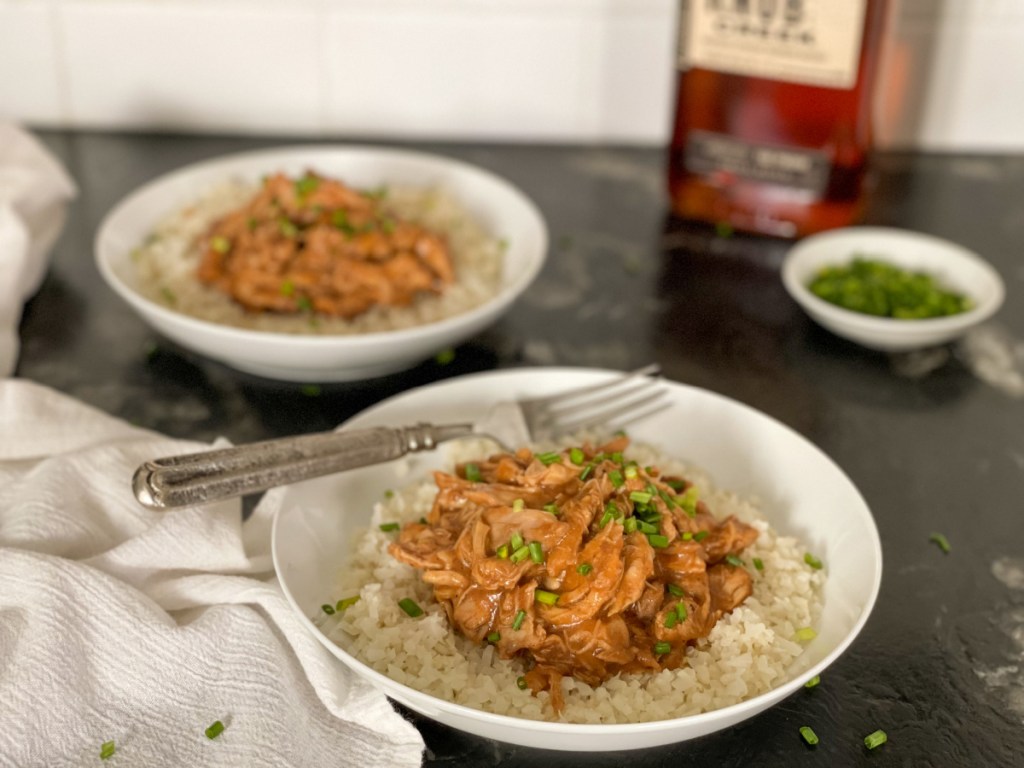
[
  {"x": 312, "y": 244},
  {"x": 580, "y": 561}
]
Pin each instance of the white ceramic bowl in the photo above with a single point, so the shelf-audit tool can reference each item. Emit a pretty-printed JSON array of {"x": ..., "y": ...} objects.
[
  {"x": 500, "y": 207},
  {"x": 952, "y": 265},
  {"x": 802, "y": 490}
]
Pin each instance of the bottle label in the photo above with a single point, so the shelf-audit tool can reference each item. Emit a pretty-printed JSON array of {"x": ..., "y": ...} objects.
[
  {"x": 722, "y": 158},
  {"x": 811, "y": 42}
]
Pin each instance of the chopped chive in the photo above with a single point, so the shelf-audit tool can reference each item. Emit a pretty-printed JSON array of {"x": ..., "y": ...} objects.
[
  {"x": 552, "y": 508},
  {"x": 502, "y": 552},
  {"x": 876, "y": 739},
  {"x": 168, "y": 295},
  {"x": 536, "y": 551},
  {"x": 688, "y": 501},
  {"x": 107, "y": 750},
  {"x": 676, "y": 590},
  {"x": 700, "y": 535},
  {"x": 647, "y": 528},
  {"x": 630, "y": 471},
  {"x": 942, "y": 542},
  {"x": 615, "y": 477},
  {"x": 517, "y": 505},
  {"x": 675, "y": 485},
  {"x": 576, "y": 456},
  {"x": 306, "y": 185},
  {"x": 660, "y": 649},
  {"x": 687, "y": 536},
  {"x": 640, "y": 497},
  {"x": 517, "y": 622},
  {"x": 388, "y": 527},
  {"x": 516, "y": 542},
  {"x": 657, "y": 540},
  {"x": 327, "y": 608},
  {"x": 734, "y": 561},
  {"x": 287, "y": 227},
  {"x": 473, "y": 473},
  {"x": 586, "y": 471},
  {"x": 520, "y": 554},
  {"x": 681, "y": 611},
  {"x": 521, "y": 683},
  {"x": 387, "y": 225},
  {"x": 346, "y": 602},
  {"x": 304, "y": 304},
  {"x": 549, "y": 458},
  {"x": 220, "y": 244},
  {"x": 548, "y": 598},
  {"x": 812, "y": 561},
  {"x": 670, "y": 620},
  {"x": 410, "y": 606},
  {"x": 758, "y": 563},
  {"x": 805, "y": 634},
  {"x": 606, "y": 518},
  {"x": 813, "y": 681},
  {"x": 216, "y": 729},
  {"x": 493, "y": 637},
  {"x": 584, "y": 568},
  {"x": 809, "y": 735},
  {"x": 631, "y": 524},
  {"x": 617, "y": 457},
  {"x": 423, "y": 521}
]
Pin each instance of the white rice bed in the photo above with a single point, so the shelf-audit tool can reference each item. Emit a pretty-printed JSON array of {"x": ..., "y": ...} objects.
[
  {"x": 747, "y": 653},
  {"x": 167, "y": 261}
]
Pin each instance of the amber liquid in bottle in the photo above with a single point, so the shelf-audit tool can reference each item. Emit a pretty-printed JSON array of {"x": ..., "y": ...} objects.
[{"x": 768, "y": 155}]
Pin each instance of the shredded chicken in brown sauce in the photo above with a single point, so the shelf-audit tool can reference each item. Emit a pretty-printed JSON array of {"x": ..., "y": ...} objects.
[
  {"x": 580, "y": 562},
  {"x": 312, "y": 244}
]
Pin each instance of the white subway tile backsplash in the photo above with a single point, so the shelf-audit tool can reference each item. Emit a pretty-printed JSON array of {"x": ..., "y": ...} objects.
[{"x": 30, "y": 64}]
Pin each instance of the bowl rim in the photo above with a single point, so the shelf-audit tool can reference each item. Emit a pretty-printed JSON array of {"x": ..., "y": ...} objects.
[
  {"x": 798, "y": 254},
  {"x": 508, "y": 292},
  {"x": 723, "y": 716}
]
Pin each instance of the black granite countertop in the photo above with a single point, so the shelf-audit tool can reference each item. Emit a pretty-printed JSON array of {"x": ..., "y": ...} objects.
[{"x": 934, "y": 441}]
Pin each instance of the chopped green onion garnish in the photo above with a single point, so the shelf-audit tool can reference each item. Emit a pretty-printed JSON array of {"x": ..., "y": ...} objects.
[
  {"x": 306, "y": 185},
  {"x": 502, "y": 552},
  {"x": 941, "y": 540},
  {"x": 876, "y": 739},
  {"x": 493, "y": 637},
  {"x": 521, "y": 683},
  {"x": 339, "y": 218},
  {"x": 517, "y": 622},
  {"x": 516, "y": 542},
  {"x": 220, "y": 244},
  {"x": 387, "y": 527},
  {"x": 758, "y": 564},
  {"x": 670, "y": 620},
  {"x": 676, "y": 590},
  {"x": 327, "y": 608},
  {"x": 288, "y": 229},
  {"x": 216, "y": 729},
  {"x": 631, "y": 471},
  {"x": 630, "y": 525},
  {"x": 657, "y": 540},
  {"x": 733, "y": 561},
  {"x": 586, "y": 471},
  {"x": 423, "y": 521},
  {"x": 251, "y": 223},
  {"x": 536, "y": 551},
  {"x": 107, "y": 750},
  {"x": 606, "y": 518},
  {"x": 676, "y": 485},
  {"x": 473, "y": 473},
  {"x": 168, "y": 295},
  {"x": 617, "y": 457},
  {"x": 584, "y": 568},
  {"x": 576, "y": 456},
  {"x": 812, "y": 561},
  {"x": 520, "y": 554},
  {"x": 410, "y": 606},
  {"x": 700, "y": 535},
  {"x": 813, "y": 681},
  {"x": 552, "y": 508},
  {"x": 687, "y": 536},
  {"x": 809, "y": 735},
  {"x": 549, "y": 458},
  {"x": 548, "y": 598},
  {"x": 660, "y": 649},
  {"x": 517, "y": 505},
  {"x": 688, "y": 501},
  {"x": 346, "y": 602},
  {"x": 647, "y": 528},
  {"x": 616, "y": 478},
  {"x": 640, "y": 497},
  {"x": 681, "y": 611},
  {"x": 304, "y": 304},
  {"x": 805, "y": 634}
]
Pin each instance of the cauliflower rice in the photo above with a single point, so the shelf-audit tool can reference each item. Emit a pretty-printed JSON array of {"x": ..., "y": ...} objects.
[
  {"x": 167, "y": 261},
  {"x": 748, "y": 652}
]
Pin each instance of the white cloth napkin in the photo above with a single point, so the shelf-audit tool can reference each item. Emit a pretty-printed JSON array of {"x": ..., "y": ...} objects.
[
  {"x": 34, "y": 191},
  {"x": 143, "y": 628}
]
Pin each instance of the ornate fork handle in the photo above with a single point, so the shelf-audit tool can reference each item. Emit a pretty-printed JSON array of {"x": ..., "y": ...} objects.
[{"x": 198, "y": 478}]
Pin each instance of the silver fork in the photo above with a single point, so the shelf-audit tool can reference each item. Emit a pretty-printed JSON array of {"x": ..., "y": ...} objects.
[{"x": 199, "y": 478}]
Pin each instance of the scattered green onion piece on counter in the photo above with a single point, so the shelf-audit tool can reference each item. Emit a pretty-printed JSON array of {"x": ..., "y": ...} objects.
[
  {"x": 681, "y": 611},
  {"x": 733, "y": 561},
  {"x": 388, "y": 527},
  {"x": 941, "y": 541},
  {"x": 327, "y": 608},
  {"x": 700, "y": 535},
  {"x": 107, "y": 750},
  {"x": 502, "y": 552},
  {"x": 576, "y": 456},
  {"x": 549, "y": 458},
  {"x": 616, "y": 479},
  {"x": 630, "y": 525},
  {"x": 584, "y": 568},
  {"x": 640, "y": 497},
  {"x": 805, "y": 634},
  {"x": 630, "y": 471},
  {"x": 813, "y": 681},
  {"x": 876, "y": 739},
  {"x": 493, "y": 637},
  {"x": 809, "y": 735},
  {"x": 657, "y": 541},
  {"x": 516, "y": 542},
  {"x": 519, "y": 554},
  {"x": 410, "y": 606},
  {"x": 812, "y": 561},
  {"x": 220, "y": 244},
  {"x": 346, "y": 602},
  {"x": 670, "y": 620},
  {"x": 660, "y": 649},
  {"x": 517, "y": 622},
  {"x": 758, "y": 563},
  {"x": 552, "y": 508},
  {"x": 548, "y": 598},
  {"x": 517, "y": 505},
  {"x": 473, "y": 473},
  {"x": 216, "y": 729},
  {"x": 536, "y": 551},
  {"x": 521, "y": 683},
  {"x": 676, "y": 590},
  {"x": 304, "y": 304}
]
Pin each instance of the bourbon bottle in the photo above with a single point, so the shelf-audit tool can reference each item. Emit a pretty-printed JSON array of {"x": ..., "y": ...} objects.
[{"x": 773, "y": 112}]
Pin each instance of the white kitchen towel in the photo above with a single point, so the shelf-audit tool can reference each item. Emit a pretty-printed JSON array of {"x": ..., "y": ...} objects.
[
  {"x": 142, "y": 628},
  {"x": 34, "y": 192}
]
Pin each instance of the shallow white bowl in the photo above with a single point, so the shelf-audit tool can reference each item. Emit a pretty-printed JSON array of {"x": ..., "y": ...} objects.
[
  {"x": 501, "y": 208},
  {"x": 802, "y": 491},
  {"x": 952, "y": 265}
]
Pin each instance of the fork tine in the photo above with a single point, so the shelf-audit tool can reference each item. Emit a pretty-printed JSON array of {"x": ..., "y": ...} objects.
[
  {"x": 620, "y": 412},
  {"x": 647, "y": 370},
  {"x": 625, "y": 389}
]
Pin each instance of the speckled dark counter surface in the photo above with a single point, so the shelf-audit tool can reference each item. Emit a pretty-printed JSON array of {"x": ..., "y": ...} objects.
[{"x": 935, "y": 442}]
